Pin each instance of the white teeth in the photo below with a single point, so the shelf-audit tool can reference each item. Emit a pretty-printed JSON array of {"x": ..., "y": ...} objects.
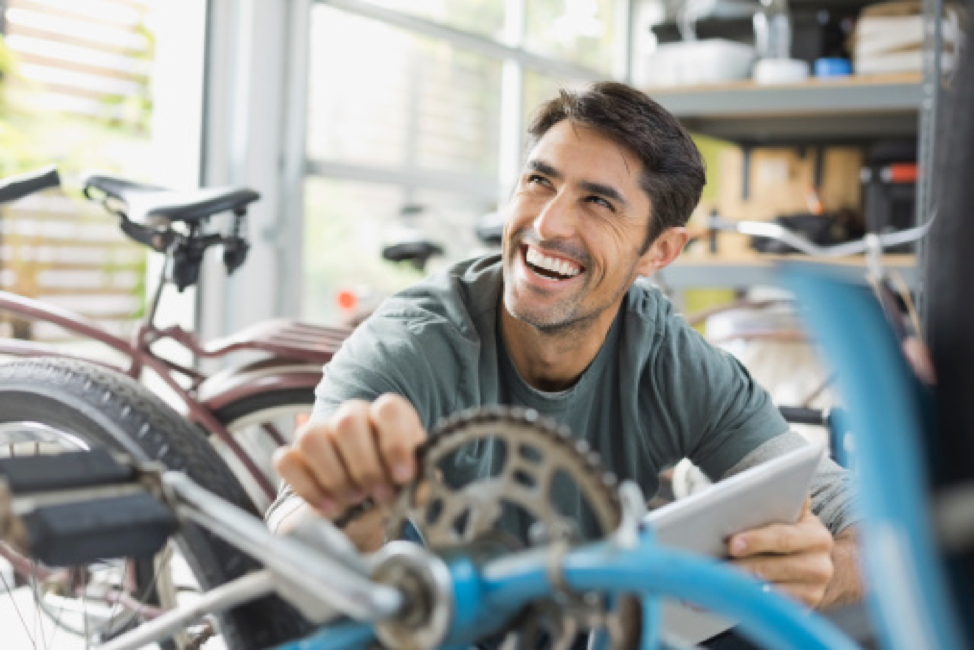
[{"x": 562, "y": 267}]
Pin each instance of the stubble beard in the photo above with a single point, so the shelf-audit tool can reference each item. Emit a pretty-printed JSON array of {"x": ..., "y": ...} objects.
[{"x": 560, "y": 321}]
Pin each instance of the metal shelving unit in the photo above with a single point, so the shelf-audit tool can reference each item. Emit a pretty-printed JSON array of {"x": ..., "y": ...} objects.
[{"x": 851, "y": 109}]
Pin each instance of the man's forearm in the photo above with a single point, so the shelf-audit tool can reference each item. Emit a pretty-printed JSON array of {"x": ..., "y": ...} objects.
[{"x": 846, "y": 585}]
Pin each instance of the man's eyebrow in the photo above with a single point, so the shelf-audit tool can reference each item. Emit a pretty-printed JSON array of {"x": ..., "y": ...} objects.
[
  {"x": 543, "y": 167},
  {"x": 606, "y": 191}
]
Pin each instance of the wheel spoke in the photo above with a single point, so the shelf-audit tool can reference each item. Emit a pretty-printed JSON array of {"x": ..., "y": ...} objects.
[
  {"x": 38, "y": 619},
  {"x": 133, "y": 421},
  {"x": 13, "y": 601},
  {"x": 259, "y": 431}
]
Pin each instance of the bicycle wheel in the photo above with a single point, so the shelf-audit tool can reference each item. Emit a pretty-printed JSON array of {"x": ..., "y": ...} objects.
[
  {"x": 50, "y": 405},
  {"x": 260, "y": 424}
]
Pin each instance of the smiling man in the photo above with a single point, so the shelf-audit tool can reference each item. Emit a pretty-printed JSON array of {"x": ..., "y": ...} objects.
[{"x": 557, "y": 323}]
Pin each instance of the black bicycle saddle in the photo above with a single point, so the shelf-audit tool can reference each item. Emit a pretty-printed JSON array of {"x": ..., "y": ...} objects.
[{"x": 150, "y": 202}]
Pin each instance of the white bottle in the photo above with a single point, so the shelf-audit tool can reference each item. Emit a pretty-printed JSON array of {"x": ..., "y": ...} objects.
[
  {"x": 772, "y": 30},
  {"x": 772, "y": 40}
]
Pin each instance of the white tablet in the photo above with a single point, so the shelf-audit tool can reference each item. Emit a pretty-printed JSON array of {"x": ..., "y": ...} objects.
[{"x": 772, "y": 492}]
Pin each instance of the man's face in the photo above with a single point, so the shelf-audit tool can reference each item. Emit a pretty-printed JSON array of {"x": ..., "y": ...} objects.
[{"x": 575, "y": 226}]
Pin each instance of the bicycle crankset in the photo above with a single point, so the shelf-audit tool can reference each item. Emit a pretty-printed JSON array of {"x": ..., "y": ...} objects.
[{"x": 531, "y": 462}]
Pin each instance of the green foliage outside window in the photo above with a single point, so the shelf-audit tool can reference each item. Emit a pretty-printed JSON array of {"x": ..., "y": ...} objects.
[{"x": 113, "y": 139}]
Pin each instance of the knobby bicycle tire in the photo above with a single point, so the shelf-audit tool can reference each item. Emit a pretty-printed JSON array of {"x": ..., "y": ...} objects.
[{"x": 107, "y": 408}]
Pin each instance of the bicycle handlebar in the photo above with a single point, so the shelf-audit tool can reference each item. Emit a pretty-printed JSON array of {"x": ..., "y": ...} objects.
[
  {"x": 17, "y": 187},
  {"x": 802, "y": 244}
]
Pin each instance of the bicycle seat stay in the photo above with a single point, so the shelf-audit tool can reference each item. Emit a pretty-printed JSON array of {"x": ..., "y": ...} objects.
[{"x": 147, "y": 203}]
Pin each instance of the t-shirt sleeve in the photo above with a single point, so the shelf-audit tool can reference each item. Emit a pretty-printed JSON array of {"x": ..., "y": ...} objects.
[
  {"x": 385, "y": 355},
  {"x": 831, "y": 488},
  {"x": 416, "y": 355},
  {"x": 719, "y": 412}
]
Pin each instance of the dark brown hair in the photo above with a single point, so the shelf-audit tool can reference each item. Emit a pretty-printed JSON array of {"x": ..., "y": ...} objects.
[{"x": 673, "y": 170}]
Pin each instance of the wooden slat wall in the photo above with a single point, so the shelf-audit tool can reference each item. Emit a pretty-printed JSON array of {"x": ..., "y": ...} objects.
[
  {"x": 80, "y": 58},
  {"x": 70, "y": 254}
]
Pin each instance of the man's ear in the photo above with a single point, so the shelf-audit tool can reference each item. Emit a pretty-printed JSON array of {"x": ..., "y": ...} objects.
[{"x": 666, "y": 248}]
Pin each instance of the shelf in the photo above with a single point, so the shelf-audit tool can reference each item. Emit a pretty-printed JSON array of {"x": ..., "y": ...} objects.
[
  {"x": 850, "y": 109},
  {"x": 742, "y": 270}
]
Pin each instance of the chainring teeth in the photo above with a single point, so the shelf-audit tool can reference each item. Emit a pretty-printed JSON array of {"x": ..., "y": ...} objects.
[
  {"x": 541, "y": 449},
  {"x": 552, "y": 450}
]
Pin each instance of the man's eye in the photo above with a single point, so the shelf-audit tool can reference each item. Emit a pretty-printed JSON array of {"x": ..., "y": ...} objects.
[
  {"x": 534, "y": 178},
  {"x": 598, "y": 200}
]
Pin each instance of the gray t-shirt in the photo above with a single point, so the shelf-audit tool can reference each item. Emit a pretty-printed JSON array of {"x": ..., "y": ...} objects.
[{"x": 656, "y": 391}]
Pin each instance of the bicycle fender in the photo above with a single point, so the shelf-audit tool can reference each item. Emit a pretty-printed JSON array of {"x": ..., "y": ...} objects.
[{"x": 234, "y": 384}]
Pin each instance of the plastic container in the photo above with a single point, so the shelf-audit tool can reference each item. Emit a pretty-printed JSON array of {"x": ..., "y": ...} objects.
[
  {"x": 832, "y": 67},
  {"x": 780, "y": 71},
  {"x": 712, "y": 60}
]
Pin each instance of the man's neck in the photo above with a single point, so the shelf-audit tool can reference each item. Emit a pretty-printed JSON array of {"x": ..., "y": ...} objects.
[{"x": 552, "y": 361}]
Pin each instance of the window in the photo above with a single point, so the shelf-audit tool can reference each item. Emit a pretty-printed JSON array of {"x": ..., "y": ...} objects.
[
  {"x": 539, "y": 88},
  {"x": 413, "y": 104},
  {"x": 410, "y": 136},
  {"x": 483, "y": 17},
  {"x": 583, "y": 32},
  {"x": 347, "y": 225}
]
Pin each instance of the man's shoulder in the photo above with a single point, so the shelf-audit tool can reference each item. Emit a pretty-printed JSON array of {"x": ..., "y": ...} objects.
[
  {"x": 457, "y": 296},
  {"x": 650, "y": 310},
  {"x": 655, "y": 327}
]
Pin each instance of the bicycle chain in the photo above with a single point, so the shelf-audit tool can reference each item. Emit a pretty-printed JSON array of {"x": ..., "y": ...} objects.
[{"x": 536, "y": 449}]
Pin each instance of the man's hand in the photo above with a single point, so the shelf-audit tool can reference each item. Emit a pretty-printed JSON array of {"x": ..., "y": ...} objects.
[
  {"x": 795, "y": 558},
  {"x": 364, "y": 449}
]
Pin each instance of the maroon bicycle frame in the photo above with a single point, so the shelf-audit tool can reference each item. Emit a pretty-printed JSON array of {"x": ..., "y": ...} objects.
[{"x": 296, "y": 353}]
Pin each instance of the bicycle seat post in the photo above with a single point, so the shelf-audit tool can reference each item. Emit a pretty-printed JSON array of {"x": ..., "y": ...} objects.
[{"x": 148, "y": 321}]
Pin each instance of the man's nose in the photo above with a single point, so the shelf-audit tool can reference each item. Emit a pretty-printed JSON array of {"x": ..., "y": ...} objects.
[{"x": 557, "y": 219}]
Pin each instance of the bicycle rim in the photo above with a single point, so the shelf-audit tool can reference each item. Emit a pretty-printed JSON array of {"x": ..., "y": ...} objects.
[
  {"x": 259, "y": 423},
  {"x": 92, "y": 405}
]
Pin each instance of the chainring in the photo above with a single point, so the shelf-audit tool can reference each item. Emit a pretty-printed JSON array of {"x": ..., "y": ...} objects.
[{"x": 538, "y": 455}]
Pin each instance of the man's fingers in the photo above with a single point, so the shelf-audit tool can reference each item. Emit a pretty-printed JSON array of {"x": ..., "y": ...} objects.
[
  {"x": 292, "y": 469},
  {"x": 776, "y": 538},
  {"x": 362, "y": 449},
  {"x": 808, "y": 568},
  {"x": 809, "y": 533},
  {"x": 354, "y": 440},
  {"x": 317, "y": 452},
  {"x": 398, "y": 433}
]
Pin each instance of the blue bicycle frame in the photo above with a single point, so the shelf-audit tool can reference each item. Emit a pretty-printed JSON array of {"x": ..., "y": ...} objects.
[
  {"x": 486, "y": 597},
  {"x": 908, "y": 595}
]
